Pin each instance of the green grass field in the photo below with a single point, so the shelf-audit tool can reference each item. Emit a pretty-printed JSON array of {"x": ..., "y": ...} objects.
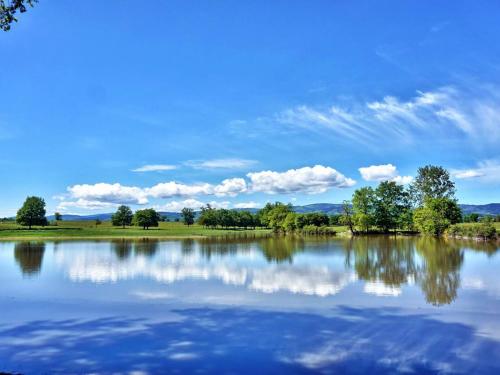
[{"x": 89, "y": 229}]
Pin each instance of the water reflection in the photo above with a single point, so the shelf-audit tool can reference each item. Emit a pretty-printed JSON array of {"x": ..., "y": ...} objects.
[
  {"x": 29, "y": 257},
  {"x": 308, "y": 266}
]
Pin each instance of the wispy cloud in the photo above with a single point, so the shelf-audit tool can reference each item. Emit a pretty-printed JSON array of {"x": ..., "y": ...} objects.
[
  {"x": 473, "y": 113},
  {"x": 231, "y": 163},
  {"x": 155, "y": 168}
]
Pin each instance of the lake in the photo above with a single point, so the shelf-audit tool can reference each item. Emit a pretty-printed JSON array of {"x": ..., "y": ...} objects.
[{"x": 250, "y": 305}]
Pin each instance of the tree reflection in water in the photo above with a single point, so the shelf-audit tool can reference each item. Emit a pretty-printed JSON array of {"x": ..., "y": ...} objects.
[
  {"x": 439, "y": 276},
  {"x": 146, "y": 246},
  {"x": 29, "y": 257},
  {"x": 122, "y": 248}
]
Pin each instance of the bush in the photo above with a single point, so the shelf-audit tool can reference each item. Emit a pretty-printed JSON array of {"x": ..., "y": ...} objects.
[
  {"x": 315, "y": 230},
  {"x": 483, "y": 230}
]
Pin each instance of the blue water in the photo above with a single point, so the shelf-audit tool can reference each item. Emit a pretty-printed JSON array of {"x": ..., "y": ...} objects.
[{"x": 250, "y": 305}]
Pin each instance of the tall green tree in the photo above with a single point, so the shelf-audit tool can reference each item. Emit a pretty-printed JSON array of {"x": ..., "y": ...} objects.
[
  {"x": 432, "y": 182},
  {"x": 32, "y": 212},
  {"x": 390, "y": 201},
  {"x": 146, "y": 218},
  {"x": 188, "y": 216},
  {"x": 57, "y": 216},
  {"x": 8, "y": 10},
  {"x": 122, "y": 217},
  {"x": 363, "y": 204},
  {"x": 346, "y": 217}
]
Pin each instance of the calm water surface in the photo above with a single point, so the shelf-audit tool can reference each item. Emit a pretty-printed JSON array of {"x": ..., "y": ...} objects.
[{"x": 250, "y": 305}]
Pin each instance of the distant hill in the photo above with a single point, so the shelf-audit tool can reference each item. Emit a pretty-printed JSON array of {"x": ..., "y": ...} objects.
[
  {"x": 481, "y": 209},
  {"x": 328, "y": 208}
]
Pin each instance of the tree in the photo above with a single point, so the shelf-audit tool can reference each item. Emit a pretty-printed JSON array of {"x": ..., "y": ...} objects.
[
  {"x": 57, "y": 216},
  {"x": 146, "y": 218},
  {"x": 347, "y": 216},
  {"x": 9, "y": 9},
  {"x": 446, "y": 207},
  {"x": 277, "y": 215},
  {"x": 187, "y": 216},
  {"x": 363, "y": 205},
  {"x": 433, "y": 182},
  {"x": 32, "y": 212},
  {"x": 430, "y": 221},
  {"x": 289, "y": 222},
  {"x": 122, "y": 217},
  {"x": 390, "y": 204}
]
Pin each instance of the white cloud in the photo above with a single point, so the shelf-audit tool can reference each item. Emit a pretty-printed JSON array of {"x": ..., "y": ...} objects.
[
  {"x": 84, "y": 204},
  {"x": 309, "y": 180},
  {"x": 233, "y": 163},
  {"x": 174, "y": 189},
  {"x": 486, "y": 171},
  {"x": 473, "y": 112},
  {"x": 403, "y": 180},
  {"x": 383, "y": 172},
  {"x": 177, "y": 206},
  {"x": 155, "y": 168},
  {"x": 110, "y": 193},
  {"x": 231, "y": 187},
  {"x": 250, "y": 204}
]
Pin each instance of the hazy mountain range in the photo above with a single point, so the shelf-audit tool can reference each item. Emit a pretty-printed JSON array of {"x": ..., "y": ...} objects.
[{"x": 328, "y": 208}]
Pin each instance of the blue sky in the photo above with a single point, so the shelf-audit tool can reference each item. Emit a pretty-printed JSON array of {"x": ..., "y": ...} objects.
[{"x": 242, "y": 102}]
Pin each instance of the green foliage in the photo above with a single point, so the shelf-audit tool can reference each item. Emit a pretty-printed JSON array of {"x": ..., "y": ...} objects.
[
  {"x": 146, "y": 218},
  {"x": 391, "y": 201},
  {"x": 57, "y": 216},
  {"x": 187, "y": 216},
  {"x": 347, "y": 216},
  {"x": 318, "y": 230},
  {"x": 334, "y": 219},
  {"x": 433, "y": 182},
  {"x": 8, "y": 9},
  {"x": 484, "y": 230},
  {"x": 363, "y": 204},
  {"x": 32, "y": 212},
  {"x": 277, "y": 215},
  {"x": 430, "y": 221},
  {"x": 122, "y": 217},
  {"x": 471, "y": 218},
  {"x": 447, "y": 207},
  {"x": 289, "y": 222},
  {"x": 213, "y": 218}
]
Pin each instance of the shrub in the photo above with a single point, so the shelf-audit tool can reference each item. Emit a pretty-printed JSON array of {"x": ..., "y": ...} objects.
[{"x": 484, "y": 230}]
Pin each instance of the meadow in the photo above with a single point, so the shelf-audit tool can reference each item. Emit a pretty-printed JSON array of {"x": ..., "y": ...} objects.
[{"x": 89, "y": 229}]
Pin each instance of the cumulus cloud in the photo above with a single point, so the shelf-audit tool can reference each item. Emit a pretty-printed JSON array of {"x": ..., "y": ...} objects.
[
  {"x": 383, "y": 172},
  {"x": 309, "y": 180},
  {"x": 84, "y": 205},
  {"x": 486, "y": 170},
  {"x": 154, "y": 168},
  {"x": 177, "y": 206},
  {"x": 221, "y": 163},
  {"x": 108, "y": 193},
  {"x": 231, "y": 187},
  {"x": 174, "y": 189}
]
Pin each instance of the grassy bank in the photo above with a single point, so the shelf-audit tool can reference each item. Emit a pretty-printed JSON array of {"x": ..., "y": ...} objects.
[{"x": 89, "y": 229}]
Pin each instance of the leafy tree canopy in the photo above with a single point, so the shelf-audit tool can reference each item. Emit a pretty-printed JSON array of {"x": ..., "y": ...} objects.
[
  {"x": 122, "y": 217},
  {"x": 146, "y": 218},
  {"x": 32, "y": 212},
  {"x": 8, "y": 9}
]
